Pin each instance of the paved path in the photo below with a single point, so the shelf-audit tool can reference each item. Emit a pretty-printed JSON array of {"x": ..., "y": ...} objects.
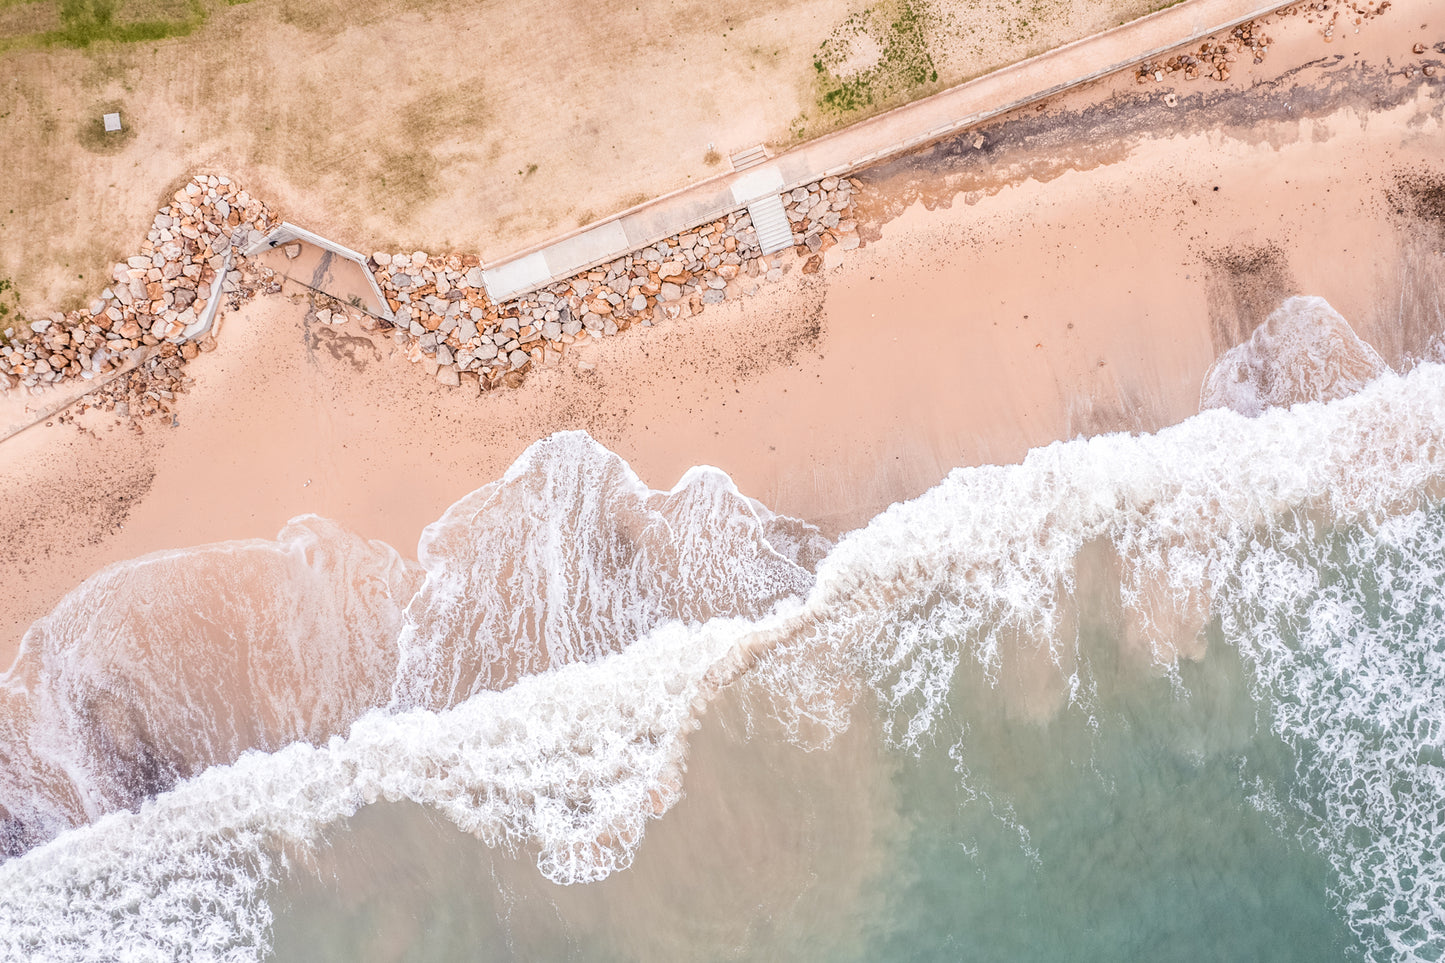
[
  {"x": 867, "y": 141},
  {"x": 69, "y": 393}
]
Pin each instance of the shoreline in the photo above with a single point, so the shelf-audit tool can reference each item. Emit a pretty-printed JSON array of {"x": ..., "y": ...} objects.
[
  {"x": 487, "y": 152},
  {"x": 844, "y": 391},
  {"x": 156, "y": 294}
]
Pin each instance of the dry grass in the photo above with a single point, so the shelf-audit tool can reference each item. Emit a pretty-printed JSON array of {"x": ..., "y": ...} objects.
[
  {"x": 894, "y": 51},
  {"x": 486, "y": 125},
  {"x": 95, "y": 138}
]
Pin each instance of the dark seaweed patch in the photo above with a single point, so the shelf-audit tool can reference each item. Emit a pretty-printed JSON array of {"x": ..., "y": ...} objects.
[{"x": 1246, "y": 283}]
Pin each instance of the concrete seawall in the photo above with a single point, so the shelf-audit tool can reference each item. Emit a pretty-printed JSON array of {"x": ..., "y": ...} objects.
[{"x": 893, "y": 132}]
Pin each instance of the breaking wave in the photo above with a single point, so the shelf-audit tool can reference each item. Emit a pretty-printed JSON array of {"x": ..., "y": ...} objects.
[
  {"x": 156, "y": 668},
  {"x": 567, "y": 627},
  {"x": 569, "y": 557},
  {"x": 1304, "y": 351}
]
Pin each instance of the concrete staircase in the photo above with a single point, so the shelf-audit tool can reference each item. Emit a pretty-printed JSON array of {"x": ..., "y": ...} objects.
[
  {"x": 751, "y": 157},
  {"x": 770, "y": 222}
]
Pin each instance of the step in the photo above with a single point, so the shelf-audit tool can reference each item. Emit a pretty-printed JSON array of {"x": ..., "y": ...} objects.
[
  {"x": 770, "y": 221},
  {"x": 751, "y": 157}
]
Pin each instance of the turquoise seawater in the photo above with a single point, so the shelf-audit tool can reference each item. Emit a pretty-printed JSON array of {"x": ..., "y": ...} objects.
[
  {"x": 1169, "y": 697},
  {"x": 1128, "y": 836},
  {"x": 1177, "y": 816}
]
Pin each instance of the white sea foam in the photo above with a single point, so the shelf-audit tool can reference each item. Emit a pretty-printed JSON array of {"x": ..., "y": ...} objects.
[
  {"x": 571, "y": 763},
  {"x": 977, "y": 575},
  {"x": 156, "y": 668},
  {"x": 980, "y": 572},
  {"x": 1349, "y": 657},
  {"x": 570, "y": 556},
  {"x": 981, "y": 569},
  {"x": 1304, "y": 351},
  {"x": 567, "y": 752}
]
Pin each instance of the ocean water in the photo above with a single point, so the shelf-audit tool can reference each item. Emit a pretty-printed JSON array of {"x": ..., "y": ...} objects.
[{"x": 1176, "y": 696}]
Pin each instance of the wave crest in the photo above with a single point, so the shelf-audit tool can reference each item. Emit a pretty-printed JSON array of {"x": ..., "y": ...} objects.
[
  {"x": 570, "y": 556},
  {"x": 1304, "y": 351},
  {"x": 155, "y": 668}
]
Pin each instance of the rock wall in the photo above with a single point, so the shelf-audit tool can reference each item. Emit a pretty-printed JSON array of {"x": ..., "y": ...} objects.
[
  {"x": 443, "y": 313},
  {"x": 443, "y": 310},
  {"x": 154, "y": 296}
]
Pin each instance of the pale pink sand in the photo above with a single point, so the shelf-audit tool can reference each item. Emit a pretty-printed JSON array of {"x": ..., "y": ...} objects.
[{"x": 1091, "y": 301}]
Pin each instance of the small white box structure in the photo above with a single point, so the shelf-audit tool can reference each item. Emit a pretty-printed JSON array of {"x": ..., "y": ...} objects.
[{"x": 112, "y": 122}]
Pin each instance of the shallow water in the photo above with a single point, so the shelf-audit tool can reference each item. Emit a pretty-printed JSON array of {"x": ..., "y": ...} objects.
[
  {"x": 1130, "y": 836},
  {"x": 1178, "y": 696}
]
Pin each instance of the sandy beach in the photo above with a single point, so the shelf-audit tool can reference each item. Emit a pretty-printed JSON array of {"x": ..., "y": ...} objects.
[
  {"x": 1077, "y": 274},
  {"x": 401, "y": 127},
  {"x": 1086, "y": 672}
]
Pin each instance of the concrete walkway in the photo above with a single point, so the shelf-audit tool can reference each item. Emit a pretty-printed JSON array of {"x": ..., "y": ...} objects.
[
  {"x": 871, "y": 140},
  {"x": 21, "y": 418}
]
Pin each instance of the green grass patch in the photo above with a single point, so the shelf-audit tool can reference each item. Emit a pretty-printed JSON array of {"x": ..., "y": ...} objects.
[
  {"x": 875, "y": 57},
  {"x": 86, "y": 22}
]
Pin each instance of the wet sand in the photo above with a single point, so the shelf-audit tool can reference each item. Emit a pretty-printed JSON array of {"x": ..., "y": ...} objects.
[{"x": 1098, "y": 257}]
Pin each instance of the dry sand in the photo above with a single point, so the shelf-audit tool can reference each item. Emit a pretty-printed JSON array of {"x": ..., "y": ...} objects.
[
  {"x": 1106, "y": 249},
  {"x": 479, "y": 125}
]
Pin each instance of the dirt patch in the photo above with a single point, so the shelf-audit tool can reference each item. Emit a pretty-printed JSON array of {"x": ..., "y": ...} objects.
[
  {"x": 26, "y": 19},
  {"x": 1419, "y": 196},
  {"x": 1416, "y": 198},
  {"x": 796, "y": 333},
  {"x": 1245, "y": 285},
  {"x": 72, "y": 510},
  {"x": 456, "y": 124}
]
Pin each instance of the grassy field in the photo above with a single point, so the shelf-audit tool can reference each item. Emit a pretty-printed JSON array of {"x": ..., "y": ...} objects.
[
  {"x": 80, "y": 23},
  {"x": 480, "y": 125}
]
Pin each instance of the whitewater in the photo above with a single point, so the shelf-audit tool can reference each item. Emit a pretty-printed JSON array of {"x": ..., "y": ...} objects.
[{"x": 187, "y": 730}]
